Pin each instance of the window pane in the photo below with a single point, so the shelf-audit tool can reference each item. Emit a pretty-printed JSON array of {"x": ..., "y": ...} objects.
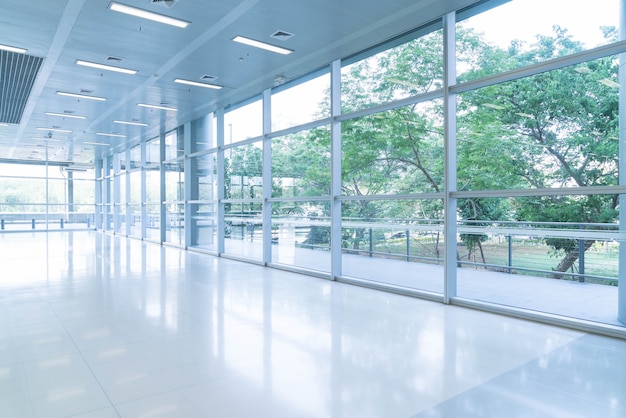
[
  {"x": 305, "y": 102},
  {"x": 153, "y": 151},
  {"x": 515, "y": 34},
  {"x": 406, "y": 70},
  {"x": 244, "y": 172},
  {"x": 301, "y": 234},
  {"x": 395, "y": 152},
  {"x": 174, "y": 145},
  {"x": 202, "y": 133},
  {"x": 204, "y": 226},
  {"x": 174, "y": 181},
  {"x": 403, "y": 236},
  {"x": 244, "y": 230},
  {"x": 243, "y": 123},
  {"x": 301, "y": 164},
  {"x": 205, "y": 167},
  {"x": 556, "y": 129}
]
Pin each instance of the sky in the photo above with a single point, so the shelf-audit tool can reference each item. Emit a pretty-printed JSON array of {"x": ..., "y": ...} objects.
[{"x": 523, "y": 19}]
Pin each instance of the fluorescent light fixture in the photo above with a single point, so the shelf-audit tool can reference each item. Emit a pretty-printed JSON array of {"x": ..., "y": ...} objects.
[
  {"x": 65, "y": 115},
  {"x": 4, "y": 124},
  {"x": 262, "y": 45},
  {"x": 102, "y": 144},
  {"x": 80, "y": 96},
  {"x": 12, "y": 49},
  {"x": 125, "y": 122},
  {"x": 197, "y": 84},
  {"x": 157, "y": 107},
  {"x": 45, "y": 139},
  {"x": 54, "y": 130},
  {"x": 105, "y": 67},
  {"x": 107, "y": 134},
  {"x": 145, "y": 14}
]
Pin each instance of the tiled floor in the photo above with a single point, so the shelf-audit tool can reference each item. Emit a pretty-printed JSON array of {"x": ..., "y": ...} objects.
[{"x": 98, "y": 326}]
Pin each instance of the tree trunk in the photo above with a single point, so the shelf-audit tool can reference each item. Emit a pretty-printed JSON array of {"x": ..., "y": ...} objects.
[{"x": 570, "y": 258}]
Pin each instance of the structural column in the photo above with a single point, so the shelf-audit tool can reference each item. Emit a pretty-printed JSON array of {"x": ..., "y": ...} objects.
[
  {"x": 267, "y": 177},
  {"x": 335, "y": 175},
  {"x": 622, "y": 171},
  {"x": 450, "y": 202}
]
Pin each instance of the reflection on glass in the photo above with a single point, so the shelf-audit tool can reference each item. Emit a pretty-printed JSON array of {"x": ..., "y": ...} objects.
[
  {"x": 556, "y": 129},
  {"x": 153, "y": 187},
  {"x": 135, "y": 220},
  {"x": 175, "y": 225},
  {"x": 175, "y": 181},
  {"x": 204, "y": 226},
  {"x": 244, "y": 230},
  {"x": 301, "y": 234},
  {"x": 174, "y": 145},
  {"x": 398, "y": 242},
  {"x": 205, "y": 167},
  {"x": 153, "y": 222},
  {"x": 203, "y": 135},
  {"x": 135, "y": 157},
  {"x": 406, "y": 70},
  {"x": 394, "y": 152},
  {"x": 305, "y": 102},
  {"x": 514, "y": 35},
  {"x": 301, "y": 164},
  {"x": 153, "y": 151}
]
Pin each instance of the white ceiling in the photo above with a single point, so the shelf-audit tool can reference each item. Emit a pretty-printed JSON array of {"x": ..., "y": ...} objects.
[{"x": 62, "y": 31}]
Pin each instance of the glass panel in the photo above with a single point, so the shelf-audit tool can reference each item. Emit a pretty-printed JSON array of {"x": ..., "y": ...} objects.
[
  {"x": 400, "y": 236},
  {"x": 175, "y": 225},
  {"x": 153, "y": 222},
  {"x": 302, "y": 103},
  {"x": 153, "y": 151},
  {"x": 301, "y": 164},
  {"x": 120, "y": 219},
  {"x": 514, "y": 35},
  {"x": 409, "y": 69},
  {"x": 205, "y": 167},
  {"x": 554, "y": 254},
  {"x": 122, "y": 182},
  {"x": 244, "y": 230},
  {"x": 134, "y": 177},
  {"x": 135, "y": 157},
  {"x": 243, "y": 123},
  {"x": 301, "y": 234},
  {"x": 174, "y": 145},
  {"x": 244, "y": 171},
  {"x": 395, "y": 152},
  {"x": 135, "y": 220},
  {"x": 556, "y": 129},
  {"x": 153, "y": 185},
  {"x": 204, "y": 226},
  {"x": 122, "y": 157},
  {"x": 174, "y": 181}
]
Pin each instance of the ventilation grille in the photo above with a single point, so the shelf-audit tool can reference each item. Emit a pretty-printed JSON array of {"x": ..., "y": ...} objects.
[
  {"x": 281, "y": 35},
  {"x": 17, "y": 76},
  {"x": 164, "y": 3}
]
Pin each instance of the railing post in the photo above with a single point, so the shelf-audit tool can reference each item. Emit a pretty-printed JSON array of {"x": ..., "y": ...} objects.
[
  {"x": 581, "y": 260},
  {"x": 371, "y": 242},
  {"x": 510, "y": 238},
  {"x": 61, "y": 223},
  {"x": 33, "y": 223},
  {"x": 408, "y": 245},
  {"x": 2, "y": 223}
]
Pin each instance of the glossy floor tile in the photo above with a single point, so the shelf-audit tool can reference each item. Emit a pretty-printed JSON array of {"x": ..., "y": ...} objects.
[{"x": 99, "y": 326}]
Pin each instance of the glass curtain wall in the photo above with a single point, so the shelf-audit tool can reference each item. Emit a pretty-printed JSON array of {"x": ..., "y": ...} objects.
[
  {"x": 494, "y": 182},
  {"x": 35, "y": 197}
]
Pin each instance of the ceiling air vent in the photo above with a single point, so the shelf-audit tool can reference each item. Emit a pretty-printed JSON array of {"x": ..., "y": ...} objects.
[
  {"x": 281, "y": 35},
  {"x": 208, "y": 77},
  {"x": 17, "y": 76},
  {"x": 164, "y": 3},
  {"x": 114, "y": 59}
]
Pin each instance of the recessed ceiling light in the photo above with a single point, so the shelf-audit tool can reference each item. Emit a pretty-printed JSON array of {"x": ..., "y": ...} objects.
[
  {"x": 108, "y": 134},
  {"x": 262, "y": 45},
  {"x": 145, "y": 14},
  {"x": 125, "y": 122},
  {"x": 80, "y": 96},
  {"x": 13, "y": 49},
  {"x": 197, "y": 84},
  {"x": 157, "y": 107},
  {"x": 105, "y": 67},
  {"x": 102, "y": 144},
  {"x": 54, "y": 130},
  {"x": 65, "y": 115}
]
